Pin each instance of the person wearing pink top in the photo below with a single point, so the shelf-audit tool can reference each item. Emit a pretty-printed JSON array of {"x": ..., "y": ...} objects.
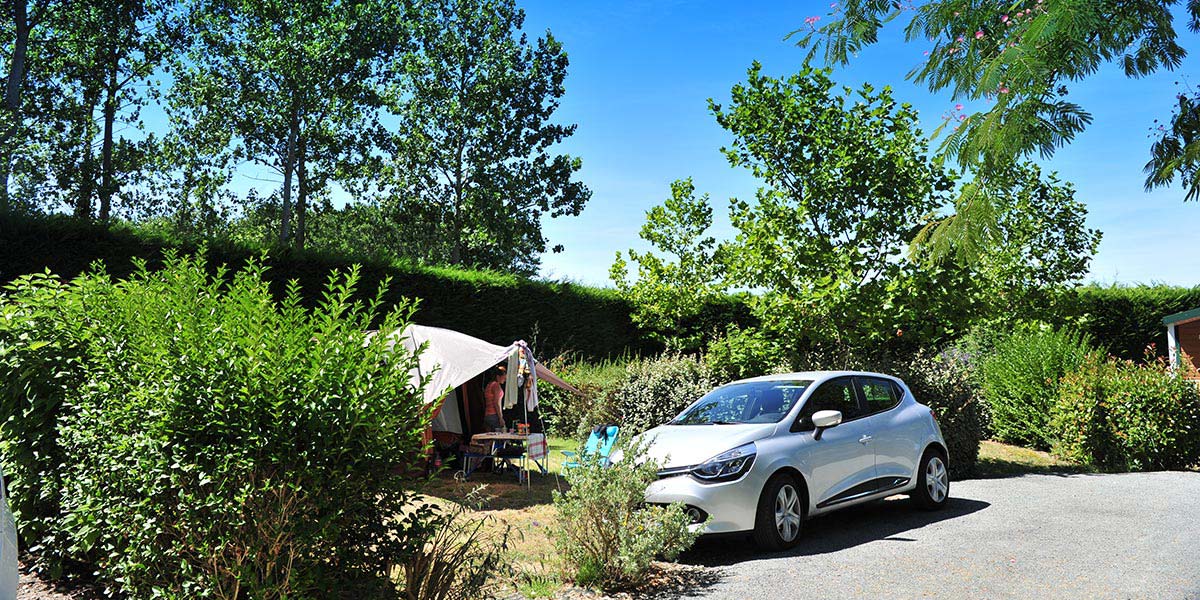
[{"x": 493, "y": 400}]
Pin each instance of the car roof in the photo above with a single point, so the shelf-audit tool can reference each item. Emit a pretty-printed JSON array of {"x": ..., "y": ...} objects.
[{"x": 815, "y": 376}]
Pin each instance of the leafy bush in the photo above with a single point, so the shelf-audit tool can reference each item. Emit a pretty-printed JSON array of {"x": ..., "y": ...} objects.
[
  {"x": 567, "y": 414},
  {"x": 214, "y": 442},
  {"x": 1119, "y": 415},
  {"x": 743, "y": 353},
  {"x": 606, "y": 532},
  {"x": 1019, "y": 379},
  {"x": 637, "y": 394},
  {"x": 654, "y": 391},
  {"x": 942, "y": 381}
]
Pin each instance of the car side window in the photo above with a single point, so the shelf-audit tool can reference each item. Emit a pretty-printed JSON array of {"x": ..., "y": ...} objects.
[
  {"x": 835, "y": 394},
  {"x": 878, "y": 394}
]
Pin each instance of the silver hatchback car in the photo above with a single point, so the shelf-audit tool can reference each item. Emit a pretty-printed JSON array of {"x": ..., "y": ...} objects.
[{"x": 762, "y": 455}]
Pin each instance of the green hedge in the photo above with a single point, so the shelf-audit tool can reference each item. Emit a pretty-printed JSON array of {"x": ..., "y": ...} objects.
[
  {"x": 557, "y": 317},
  {"x": 1125, "y": 320}
]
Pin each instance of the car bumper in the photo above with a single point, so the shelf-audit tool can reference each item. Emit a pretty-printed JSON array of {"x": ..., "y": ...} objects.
[{"x": 730, "y": 506}]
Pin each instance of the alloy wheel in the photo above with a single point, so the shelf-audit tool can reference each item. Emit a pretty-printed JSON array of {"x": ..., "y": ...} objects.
[
  {"x": 937, "y": 480},
  {"x": 787, "y": 513}
]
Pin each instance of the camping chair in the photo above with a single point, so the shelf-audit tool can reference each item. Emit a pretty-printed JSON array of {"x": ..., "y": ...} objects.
[{"x": 599, "y": 444}]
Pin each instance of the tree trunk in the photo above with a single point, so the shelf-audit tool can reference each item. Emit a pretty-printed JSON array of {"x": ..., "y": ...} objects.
[
  {"x": 285, "y": 219},
  {"x": 86, "y": 177},
  {"x": 12, "y": 96},
  {"x": 107, "y": 188},
  {"x": 301, "y": 195}
]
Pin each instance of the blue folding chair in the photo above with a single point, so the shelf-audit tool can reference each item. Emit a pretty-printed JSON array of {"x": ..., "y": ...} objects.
[{"x": 599, "y": 444}]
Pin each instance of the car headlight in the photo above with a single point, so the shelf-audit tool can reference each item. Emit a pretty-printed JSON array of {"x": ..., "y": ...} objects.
[{"x": 727, "y": 466}]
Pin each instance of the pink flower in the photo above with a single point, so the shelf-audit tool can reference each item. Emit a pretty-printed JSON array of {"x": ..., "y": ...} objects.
[
  {"x": 958, "y": 107},
  {"x": 926, "y": 53},
  {"x": 811, "y": 20},
  {"x": 959, "y": 39},
  {"x": 1004, "y": 89},
  {"x": 962, "y": 117},
  {"x": 1004, "y": 18},
  {"x": 979, "y": 35}
]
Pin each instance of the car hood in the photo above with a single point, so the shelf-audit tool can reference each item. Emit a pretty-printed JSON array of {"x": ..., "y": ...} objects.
[{"x": 686, "y": 445}]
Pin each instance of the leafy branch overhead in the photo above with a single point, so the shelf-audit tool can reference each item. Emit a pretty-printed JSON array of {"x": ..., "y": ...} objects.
[{"x": 1015, "y": 64}]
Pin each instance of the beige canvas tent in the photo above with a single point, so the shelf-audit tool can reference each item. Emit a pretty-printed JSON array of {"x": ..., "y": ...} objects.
[{"x": 453, "y": 360}]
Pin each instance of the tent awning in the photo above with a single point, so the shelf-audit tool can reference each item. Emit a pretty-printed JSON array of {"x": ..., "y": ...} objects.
[{"x": 451, "y": 359}]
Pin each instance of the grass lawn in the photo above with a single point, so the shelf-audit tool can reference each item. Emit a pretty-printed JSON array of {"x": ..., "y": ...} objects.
[
  {"x": 1002, "y": 460},
  {"x": 526, "y": 509}
]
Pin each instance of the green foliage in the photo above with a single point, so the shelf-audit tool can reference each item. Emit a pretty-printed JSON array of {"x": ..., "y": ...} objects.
[
  {"x": 655, "y": 390},
  {"x": 1127, "y": 320},
  {"x": 557, "y": 317},
  {"x": 1119, "y": 415},
  {"x": 470, "y": 170},
  {"x": 213, "y": 440},
  {"x": 606, "y": 532},
  {"x": 667, "y": 294},
  {"x": 1019, "y": 379},
  {"x": 847, "y": 181},
  {"x": 1176, "y": 152},
  {"x": 569, "y": 415},
  {"x": 743, "y": 353},
  {"x": 1021, "y": 59}
]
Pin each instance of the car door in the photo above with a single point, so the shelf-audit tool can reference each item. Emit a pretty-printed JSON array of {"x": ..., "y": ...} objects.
[
  {"x": 841, "y": 461},
  {"x": 8, "y": 546},
  {"x": 895, "y": 433}
]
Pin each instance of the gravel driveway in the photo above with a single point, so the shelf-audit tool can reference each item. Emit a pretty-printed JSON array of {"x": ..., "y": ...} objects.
[{"x": 1132, "y": 535}]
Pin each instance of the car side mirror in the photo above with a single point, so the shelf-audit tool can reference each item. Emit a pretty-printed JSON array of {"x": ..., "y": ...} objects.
[{"x": 824, "y": 419}]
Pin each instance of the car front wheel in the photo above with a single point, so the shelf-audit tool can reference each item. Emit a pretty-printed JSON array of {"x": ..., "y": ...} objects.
[
  {"x": 933, "y": 481},
  {"x": 780, "y": 515}
]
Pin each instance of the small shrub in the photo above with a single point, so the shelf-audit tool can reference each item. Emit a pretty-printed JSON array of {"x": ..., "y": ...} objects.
[
  {"x": 606, "y": 533},
  {"x": 1123, "y": 416},
  {"x": 654, "y": 391},
  {"x": 1019, "y": 380}
]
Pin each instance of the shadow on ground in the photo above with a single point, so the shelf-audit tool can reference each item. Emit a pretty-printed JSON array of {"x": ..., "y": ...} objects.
[
  {"x": 495, "y": 491},
  {"x": 888, "y": 520}
]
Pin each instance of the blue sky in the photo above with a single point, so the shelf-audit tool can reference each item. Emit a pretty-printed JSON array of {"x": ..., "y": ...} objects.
[{"x": 641, "y": 73}]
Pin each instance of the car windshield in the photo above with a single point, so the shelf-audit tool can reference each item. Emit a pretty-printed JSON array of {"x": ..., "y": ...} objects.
[{"x": 748, "y": 402}]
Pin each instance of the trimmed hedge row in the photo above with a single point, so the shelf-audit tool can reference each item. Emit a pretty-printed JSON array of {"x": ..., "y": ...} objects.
[
  {"x": 1125, "y": 320},
  {"x": 557, "y": 317}
]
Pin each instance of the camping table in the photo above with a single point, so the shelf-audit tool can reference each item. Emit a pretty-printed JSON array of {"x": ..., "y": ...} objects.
[{"x": 496, "y": 437}]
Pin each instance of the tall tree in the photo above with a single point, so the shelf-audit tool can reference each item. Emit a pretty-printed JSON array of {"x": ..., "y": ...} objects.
[
  {"x": 93, "y": 82},
  {"x": 473, "y": 166},
  {"x": 22, "y": 38},
  {"x": 291, "y": 82},
  {"x": 1021, "y": 59}
]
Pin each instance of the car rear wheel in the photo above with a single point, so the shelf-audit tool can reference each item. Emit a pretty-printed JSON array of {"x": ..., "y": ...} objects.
[
  {"x": 933, "y": 481},
  {"x": 780, "y": 515}
]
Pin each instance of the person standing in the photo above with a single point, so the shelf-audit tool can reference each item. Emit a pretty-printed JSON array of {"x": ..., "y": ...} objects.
[{"x": 493, "y": 400}]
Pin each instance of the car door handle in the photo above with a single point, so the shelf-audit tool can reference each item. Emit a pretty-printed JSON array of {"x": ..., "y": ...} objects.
[{"x": 864, "y": 439}]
